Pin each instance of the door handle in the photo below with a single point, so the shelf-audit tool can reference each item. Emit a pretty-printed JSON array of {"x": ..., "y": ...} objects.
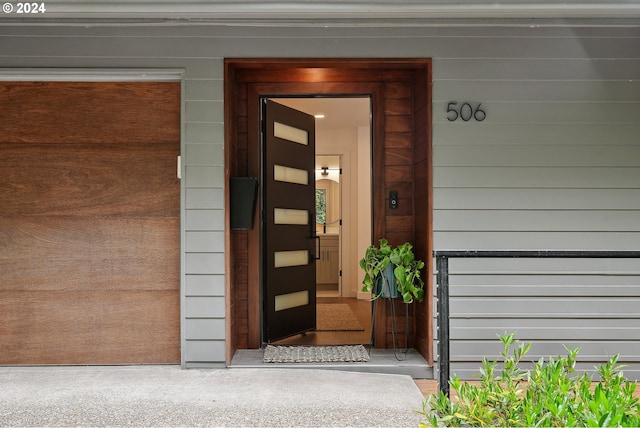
[{"x": 312, "y": 223}]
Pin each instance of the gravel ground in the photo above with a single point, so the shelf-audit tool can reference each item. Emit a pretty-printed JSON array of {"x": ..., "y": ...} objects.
[{"x": 170, "y": 396}]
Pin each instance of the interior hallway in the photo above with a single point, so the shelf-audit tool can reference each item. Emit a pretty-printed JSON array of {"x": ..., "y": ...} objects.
[{"x": 362, "y": 310}]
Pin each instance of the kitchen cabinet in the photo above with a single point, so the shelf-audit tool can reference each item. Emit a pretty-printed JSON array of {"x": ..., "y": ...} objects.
[{"x": 328, "y": 265}]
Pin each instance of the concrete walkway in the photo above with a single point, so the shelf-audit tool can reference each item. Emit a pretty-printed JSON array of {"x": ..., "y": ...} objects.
[{"x": 170, "y": 396}]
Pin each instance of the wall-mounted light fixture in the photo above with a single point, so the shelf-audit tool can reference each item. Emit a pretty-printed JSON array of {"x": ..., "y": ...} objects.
[{"x": 326, "y": 173}]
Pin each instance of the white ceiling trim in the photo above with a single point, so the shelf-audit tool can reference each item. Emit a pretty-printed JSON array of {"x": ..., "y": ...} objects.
[{"x": 355, "y": 11}]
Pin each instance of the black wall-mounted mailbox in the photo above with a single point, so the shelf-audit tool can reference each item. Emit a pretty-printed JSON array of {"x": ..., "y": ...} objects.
[{"x": 243, "y": 194}]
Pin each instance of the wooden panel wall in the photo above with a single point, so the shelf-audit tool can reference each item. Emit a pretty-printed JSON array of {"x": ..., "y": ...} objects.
[
  {"x": 396, "y": 173},
  {"x": 89, "y": 223},
  {"x": 238, "y": 166},
  {"x": 422, "y": 185}
]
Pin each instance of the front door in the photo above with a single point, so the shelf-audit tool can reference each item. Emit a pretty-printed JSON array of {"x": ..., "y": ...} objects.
[{"x": 289, "y": 221}]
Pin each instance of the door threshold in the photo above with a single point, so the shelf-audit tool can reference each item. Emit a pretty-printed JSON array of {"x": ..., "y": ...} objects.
[{"x": 382, "y": 361}]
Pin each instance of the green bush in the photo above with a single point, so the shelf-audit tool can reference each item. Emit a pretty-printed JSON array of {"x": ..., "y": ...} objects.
[{"x": 550, "y": 395}]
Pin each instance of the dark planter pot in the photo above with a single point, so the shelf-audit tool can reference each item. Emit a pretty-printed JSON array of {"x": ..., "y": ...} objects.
[{"x": 387, "y": 289}]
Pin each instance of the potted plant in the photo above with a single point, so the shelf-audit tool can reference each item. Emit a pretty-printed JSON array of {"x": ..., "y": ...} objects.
[{"x": 392, "y": 272}]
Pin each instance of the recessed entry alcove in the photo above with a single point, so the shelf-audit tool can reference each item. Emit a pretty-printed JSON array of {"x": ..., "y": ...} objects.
[{"x": 397, "y": 92}]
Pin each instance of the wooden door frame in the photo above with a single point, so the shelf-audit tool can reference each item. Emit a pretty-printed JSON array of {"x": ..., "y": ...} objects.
[{"x": 245, "y": 81}]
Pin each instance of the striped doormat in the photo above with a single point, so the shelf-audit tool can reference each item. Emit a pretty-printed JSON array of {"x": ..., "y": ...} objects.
[{"x": 316, "y": 354}]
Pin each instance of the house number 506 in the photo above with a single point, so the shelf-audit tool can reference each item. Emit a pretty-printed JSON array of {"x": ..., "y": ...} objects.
[{"x": 465, "y": 111}]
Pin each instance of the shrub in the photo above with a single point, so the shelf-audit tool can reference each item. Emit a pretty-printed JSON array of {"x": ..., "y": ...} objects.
[{"x": 549, "y": 395}]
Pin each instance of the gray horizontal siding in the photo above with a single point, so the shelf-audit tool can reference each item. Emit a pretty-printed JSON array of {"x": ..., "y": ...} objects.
[
  {"x": 204, "y": 263},
  {"x": 530, "y": 70},
  {"x": 205, "y": 285},
  {"x": 546, "y": 329},
  {"x": 589, "y": 351},
  {"x": 591, "y": 304},
  {"x": 298, "y": 43},
  {"x": 535, "y": 240},
  {"x": 203, "y": 151},
  {"x": 538, "y": 221},
  {"x": 538, "y": 198},
  {"x": 203, "y": 306},
  {"x": 548, "y": 91},
  {"x": 545, "y": 307},
  {"x": 205, "y": 220},
  {"x": 556, "y": 163},
  {"x": 205, "y": 353},
  {"x": 206, "y": 329},
  {"x": 204, "y": 242},
  {"x": 204, "y": 176},
  {"x": 204, "y": 325},
  {"x": 470, "y": 370},
  {"x": 203, "y": 198},
  {"x": 575, "y": 177},
  {"x": 512, "y": 134},
  {"x": 547, "y": 155}
]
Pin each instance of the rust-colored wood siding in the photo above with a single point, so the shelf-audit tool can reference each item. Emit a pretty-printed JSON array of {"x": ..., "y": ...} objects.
[
  {"x": 395, "y": 93},
  {"x": 423, "y": 203},
  {"x": 236, "y": 164},
  {"x": 89, "y": 223}
]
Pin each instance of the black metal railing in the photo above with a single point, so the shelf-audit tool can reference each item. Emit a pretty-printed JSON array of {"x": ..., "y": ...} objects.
[{"x": 442, "y": 281}]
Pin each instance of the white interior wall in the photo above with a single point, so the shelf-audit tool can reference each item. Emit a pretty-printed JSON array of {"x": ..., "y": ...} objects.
[
  {"x": 343, "y": 142},
  {"x": 363, "y": 201}
]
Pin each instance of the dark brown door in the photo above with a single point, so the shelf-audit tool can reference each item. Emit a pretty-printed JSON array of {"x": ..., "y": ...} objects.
[
  {"x": 89, "y": 222},
  {"x": 289, "y": 203}
]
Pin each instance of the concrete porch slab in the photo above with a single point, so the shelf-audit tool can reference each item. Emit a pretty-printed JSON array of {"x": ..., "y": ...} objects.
[{"x": 385, "y": 361}]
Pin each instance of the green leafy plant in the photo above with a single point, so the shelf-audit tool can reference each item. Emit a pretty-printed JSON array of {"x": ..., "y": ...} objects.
[
  {"x": 550, "y": 395},
  {"x": 406, "y": 270}
]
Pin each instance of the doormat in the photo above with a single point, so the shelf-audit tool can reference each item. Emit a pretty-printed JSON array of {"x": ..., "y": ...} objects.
[
  {"x": 316, "y": 354},
  {"x": 336, "y": 317}
]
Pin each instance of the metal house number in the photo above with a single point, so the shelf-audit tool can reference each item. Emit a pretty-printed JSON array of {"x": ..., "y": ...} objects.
[{"x": 465, "y": 111}]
